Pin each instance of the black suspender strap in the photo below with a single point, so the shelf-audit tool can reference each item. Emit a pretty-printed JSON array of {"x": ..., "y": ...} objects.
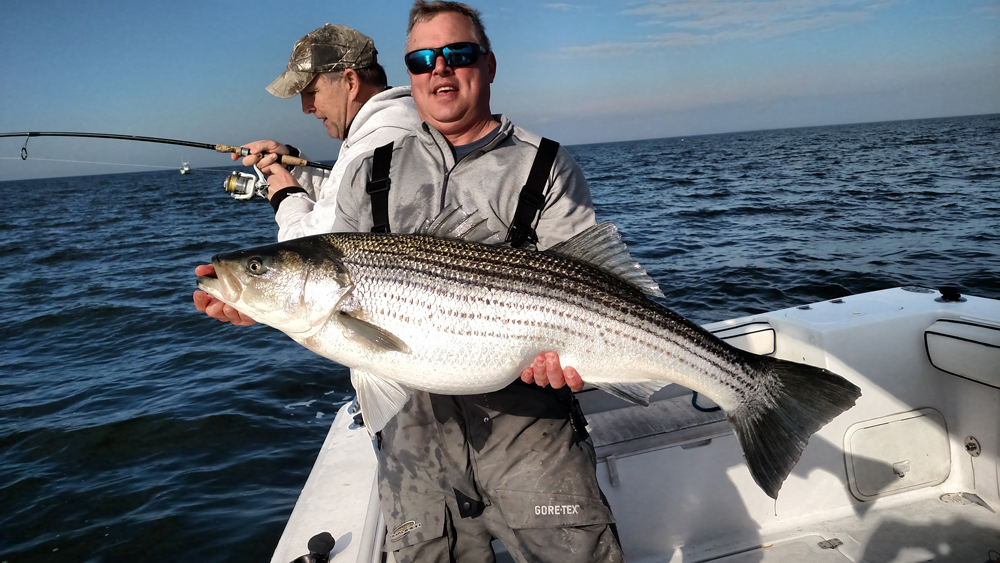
[
  {"x": 378, "y": 188},
  {"x": 532, "y": 196}
]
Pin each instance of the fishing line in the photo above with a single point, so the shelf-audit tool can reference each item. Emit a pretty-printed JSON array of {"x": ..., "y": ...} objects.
[
  {"x": 89, "y": 162},
  {"x": 283, "y": 159},
  {"x": 972, "y": 464}
]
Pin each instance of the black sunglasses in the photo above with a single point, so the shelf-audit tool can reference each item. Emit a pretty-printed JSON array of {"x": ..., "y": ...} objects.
[{"x": 455, "y": 55}]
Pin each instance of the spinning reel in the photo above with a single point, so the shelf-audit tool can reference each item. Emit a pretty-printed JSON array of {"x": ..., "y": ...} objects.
[{"x": 244, "y": 186}]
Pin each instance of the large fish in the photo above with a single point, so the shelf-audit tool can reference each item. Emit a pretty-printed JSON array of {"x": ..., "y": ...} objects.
[{"x": 451, "y": 316}]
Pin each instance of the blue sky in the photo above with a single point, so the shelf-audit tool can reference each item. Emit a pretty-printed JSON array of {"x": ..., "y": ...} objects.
[{"x": 580, "y": 71}]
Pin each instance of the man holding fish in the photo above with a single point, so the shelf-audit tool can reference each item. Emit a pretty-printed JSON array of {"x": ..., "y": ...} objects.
[
  {"x": 458, "y": 471},
  {"x": 514, "y": 464}
]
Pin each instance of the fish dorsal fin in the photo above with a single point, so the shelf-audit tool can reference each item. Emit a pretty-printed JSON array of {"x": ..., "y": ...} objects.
[
  {"x": 454, "y": 223},
  {"x": 366, "y": 333},
  {"x": 601, "y": 246},
  {"x": 380, "y": 399}
]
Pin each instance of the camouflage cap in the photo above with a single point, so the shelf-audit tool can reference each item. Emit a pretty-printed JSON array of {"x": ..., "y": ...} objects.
[{"x": 327, "y": 49}]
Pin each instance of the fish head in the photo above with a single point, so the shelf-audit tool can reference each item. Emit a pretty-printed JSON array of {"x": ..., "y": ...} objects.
[{"x": 289, "y": 286}]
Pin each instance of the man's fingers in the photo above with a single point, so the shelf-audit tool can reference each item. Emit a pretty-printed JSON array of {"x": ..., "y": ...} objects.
[
  {"x": 528, "y": 375},
  {"x": 231, "y": 314},
  {"x": 547, "y": 369},
  {"x": 237, "y": 318},
  {"x": 203, "y": 270},
  {"x": 201, "y": 300},
  {"x": 573, "y": 379},
  {"x": 250, "y": 160},
  {"x": 265, "y": 162},
  {"x": 214, "y": 309},
  {"x": 538, "y": 367},
  {"x": 553, "y": 370}
]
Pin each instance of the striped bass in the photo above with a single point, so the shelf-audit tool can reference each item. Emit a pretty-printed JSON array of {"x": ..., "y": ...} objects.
[{"x": 452, "y": 316}]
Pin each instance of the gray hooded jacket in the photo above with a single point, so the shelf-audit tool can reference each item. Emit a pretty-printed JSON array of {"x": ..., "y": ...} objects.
[{"x": 387, "y": 116}]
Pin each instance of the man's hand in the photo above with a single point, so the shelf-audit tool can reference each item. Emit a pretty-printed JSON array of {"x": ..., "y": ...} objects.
[
  {"x": 264, "y": 154},
  {"x": 215, "y": 308},
  {"x": 278, "y": 177},
  {"x": 546, "y": 370},
  {"x": 259, "y": 147}
]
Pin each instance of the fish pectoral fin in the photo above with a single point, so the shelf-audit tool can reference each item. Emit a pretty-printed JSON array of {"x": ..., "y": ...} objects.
[
  {"x": 454, "y": 223},
  {"x": 365, "y": 332},
  {"x": 637, "y": 392},
  {"x": 380, "y": 399}
]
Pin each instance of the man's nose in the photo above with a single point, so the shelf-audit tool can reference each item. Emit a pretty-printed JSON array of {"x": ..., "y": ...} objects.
[{"x": 441, "y": 67}]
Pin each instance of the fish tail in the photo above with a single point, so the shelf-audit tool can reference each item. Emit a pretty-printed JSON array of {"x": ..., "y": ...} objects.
[{"x": 794, "y": 401}]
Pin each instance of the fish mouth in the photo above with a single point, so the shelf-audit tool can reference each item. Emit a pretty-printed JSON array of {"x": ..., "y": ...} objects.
[{"x": 223, "y": 285}]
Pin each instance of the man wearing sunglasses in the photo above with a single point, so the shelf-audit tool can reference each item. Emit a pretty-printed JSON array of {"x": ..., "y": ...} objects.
[
  {"x": 335, "y": 72},
  {"x": 456, "y": 472}
]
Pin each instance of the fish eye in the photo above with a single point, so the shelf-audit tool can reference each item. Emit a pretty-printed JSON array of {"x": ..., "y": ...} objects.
[{"x": 256, "y": 266}]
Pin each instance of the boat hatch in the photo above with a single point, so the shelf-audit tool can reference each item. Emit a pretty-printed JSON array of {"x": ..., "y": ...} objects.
[
  {"x": 965, "y": 349},
  {"x": 897, "y": 453}
]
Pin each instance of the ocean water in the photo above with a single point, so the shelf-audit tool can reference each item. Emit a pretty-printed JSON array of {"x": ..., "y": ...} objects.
[{"x": 133, "y": 428}]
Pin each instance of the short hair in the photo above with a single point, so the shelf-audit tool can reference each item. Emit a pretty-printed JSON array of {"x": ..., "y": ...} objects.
[
  {"x": 373, "y": 76},
  {"x": 423, "y": 11}
]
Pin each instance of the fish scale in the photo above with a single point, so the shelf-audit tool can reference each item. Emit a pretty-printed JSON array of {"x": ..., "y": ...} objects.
[{"x": 451, "y": 316}]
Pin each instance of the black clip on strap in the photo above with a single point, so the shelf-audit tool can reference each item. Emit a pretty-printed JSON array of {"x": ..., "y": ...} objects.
[
  {"x": 378, "y": 188},
  {"x": 528, "y": 204}
]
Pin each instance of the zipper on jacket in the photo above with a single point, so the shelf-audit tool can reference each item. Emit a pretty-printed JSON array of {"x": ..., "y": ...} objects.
[{"x": 447, "y": 173}]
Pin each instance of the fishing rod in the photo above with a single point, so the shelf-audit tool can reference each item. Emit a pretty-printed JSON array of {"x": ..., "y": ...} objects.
[
  {"x": 240, "y": 185},
  {"x": 283, "y": 159}
]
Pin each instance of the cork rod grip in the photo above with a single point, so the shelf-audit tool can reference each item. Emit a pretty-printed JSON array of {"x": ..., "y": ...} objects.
[{"x": 283, "y": 159}]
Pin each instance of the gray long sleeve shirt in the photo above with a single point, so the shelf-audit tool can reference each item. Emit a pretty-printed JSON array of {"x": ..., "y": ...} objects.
[{"x": 425, "y": 179}]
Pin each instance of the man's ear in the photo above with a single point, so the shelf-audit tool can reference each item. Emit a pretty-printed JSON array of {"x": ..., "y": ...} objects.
[
  {"x": 491, "y": 65},
  {"x": 352, "y": 82}
]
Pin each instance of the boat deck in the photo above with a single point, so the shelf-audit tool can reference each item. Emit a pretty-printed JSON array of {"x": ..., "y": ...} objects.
[{"x": 658, "y": 469}]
